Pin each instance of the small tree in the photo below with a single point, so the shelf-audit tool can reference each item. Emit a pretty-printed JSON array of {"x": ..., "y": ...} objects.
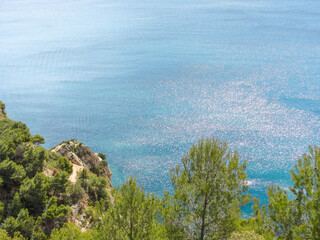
[
  {"x": 23, "y": 223},
  {"x": 37, "y": 140},
  {"x": 297, "y": 217},
  {"x": 70, "y": 231},
  {"x": 2, "y": 110},
  {"x": 210, "y": 189},
  {"x": 11, "y": 174},
  {"x": 102, "y": 156},
  {"x": 64, "y": 164},
  {"x": 58, "y": 183},
  {"x": 54, "y": 215},
  {"x": 133, "y": 215},
  {"x": 4, "y": 236},
  {"x": 33, "y": 193}
]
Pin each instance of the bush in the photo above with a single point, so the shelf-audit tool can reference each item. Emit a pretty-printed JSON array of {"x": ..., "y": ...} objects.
[
  {"x": 34, "y": 193},
  {"x": 4, "y": 235},
  {"x": 54, "y": 216},
  {"x": 70, "y": 231},
  {"x": 75, "y": 192},
  {"x": 23, "y": 224},
  {"x": 58, "y": 183},
  {"x": 64, "y": 164}
]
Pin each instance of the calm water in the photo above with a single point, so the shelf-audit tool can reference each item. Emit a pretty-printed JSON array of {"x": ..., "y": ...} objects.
[{"x": 143, "y": 80}]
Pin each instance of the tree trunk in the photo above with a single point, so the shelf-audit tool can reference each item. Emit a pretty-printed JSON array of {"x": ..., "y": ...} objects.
[{"x": 203, "y": 219}]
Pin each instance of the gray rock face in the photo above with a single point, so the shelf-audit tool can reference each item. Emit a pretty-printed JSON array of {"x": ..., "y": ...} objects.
[{"x": 79, "y": 154}]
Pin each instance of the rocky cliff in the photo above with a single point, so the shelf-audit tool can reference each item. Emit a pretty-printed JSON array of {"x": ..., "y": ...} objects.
[{"x": 81, "y": 155}]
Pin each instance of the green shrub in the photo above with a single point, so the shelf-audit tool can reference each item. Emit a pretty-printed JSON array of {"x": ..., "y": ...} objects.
[
  {"x": 23, "y": 224},
  {"x": 64, "y": 164},
  {"x": 58, "y": 183},
  {"x": 54, "y": 215},
  {"x": 34, "y": 193},
  {"x": 70, "y": 231},
  {"x": 75, "y": 192}
]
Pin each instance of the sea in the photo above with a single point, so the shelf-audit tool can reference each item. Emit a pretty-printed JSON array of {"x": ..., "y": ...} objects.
[{"x": 143, "y": 80}]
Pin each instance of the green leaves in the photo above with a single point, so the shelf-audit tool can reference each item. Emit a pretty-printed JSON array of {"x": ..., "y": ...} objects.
[
  {"x": 1, "y": 211},
  {"x": 37, "y": 139},
  {"x": 64, "y": 164},
  {"x": 23, "y": 224},
  {"x": 133, "y": 215},
  {"x": 34, "y": 193},
  {"x": 14, "y": 131},
  {"x": 209, "y": 188},
  {"x": 70, "y": 232},
  {"x": 54, "y": 215},
  {"x": 95, "y": 187},
  {"x": 11, "y": 174},
  {"x": 297, "y": 217},
  {"x": 58, "y": 183}
]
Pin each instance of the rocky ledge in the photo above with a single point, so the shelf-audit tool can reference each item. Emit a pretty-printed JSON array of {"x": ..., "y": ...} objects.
[{"x": 79, "y": 154}]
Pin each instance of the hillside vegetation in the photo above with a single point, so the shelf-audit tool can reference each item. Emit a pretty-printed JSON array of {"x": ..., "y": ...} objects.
[{"x": 66, "y": 193}]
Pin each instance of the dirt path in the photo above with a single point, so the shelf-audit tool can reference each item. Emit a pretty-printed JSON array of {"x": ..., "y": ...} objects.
[{"x": 74, "y": 175}]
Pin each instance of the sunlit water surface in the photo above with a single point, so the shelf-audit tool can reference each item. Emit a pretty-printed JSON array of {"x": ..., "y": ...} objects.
[{"x": 143, "y": 80}]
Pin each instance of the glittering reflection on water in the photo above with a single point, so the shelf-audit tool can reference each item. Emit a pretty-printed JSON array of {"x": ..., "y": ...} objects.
[{"x": 141, "y": 81}]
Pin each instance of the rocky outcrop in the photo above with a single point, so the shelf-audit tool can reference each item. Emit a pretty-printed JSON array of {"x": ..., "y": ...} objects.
[{"x": 79, "y": 154}]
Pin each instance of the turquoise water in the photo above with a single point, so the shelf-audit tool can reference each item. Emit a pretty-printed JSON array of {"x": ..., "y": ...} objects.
[{"x": 143, "y": 80}]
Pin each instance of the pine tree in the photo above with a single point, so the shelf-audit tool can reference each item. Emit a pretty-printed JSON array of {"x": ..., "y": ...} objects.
[
  {"x": 210, "y": 188},
  {"x": 133, "y": 215},
  {"x": 297, "y": 217},
  {"x": 70, "y": 232}
]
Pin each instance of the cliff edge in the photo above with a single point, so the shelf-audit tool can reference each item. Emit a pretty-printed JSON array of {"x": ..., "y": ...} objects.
[{"x": 81, "y": 156}]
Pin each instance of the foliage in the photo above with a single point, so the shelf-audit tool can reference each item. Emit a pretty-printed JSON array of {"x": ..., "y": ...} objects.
[
  {"x": 2, "y": 110},
  {"x": 34, "y": 193},
  {"x": 75, "y": 192},
  {"x": 64, "y": 164},
  {"x": 56, "y": 161},
  {"x": 297, "y": 217},
  {"x": 246, "y": 235},
  {"x": 94, "y": 186},
  {"x": 4, "y": 235},
  {"x": 32, "y": 204},
  {"x": 33, "y": 160},
  {"x": 172, "y": 213},
  {"x": 23, "y": 224},
  {"x": 58, "y": 183},
  {"x": 54, "y": 215},
  {"x": 16, "y": 132},
  {"x": 37, "y": 139},
  {"x": 11, "y": 174},
  {"x": 210, "y": 189},
  {"x": 15, "y": 205},
  {"x": 1, "y": 211},
  {"x": 70, "y": 231},
  {"x": 102, "y": 156},
  {"x": 133, "y": 215}
]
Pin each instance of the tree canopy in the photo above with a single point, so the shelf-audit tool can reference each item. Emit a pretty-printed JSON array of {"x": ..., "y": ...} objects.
[{"x": 210, "y": 188}]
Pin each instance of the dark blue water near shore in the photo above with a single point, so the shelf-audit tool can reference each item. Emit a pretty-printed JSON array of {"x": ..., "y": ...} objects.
[{"x": 143, "y": 80}]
